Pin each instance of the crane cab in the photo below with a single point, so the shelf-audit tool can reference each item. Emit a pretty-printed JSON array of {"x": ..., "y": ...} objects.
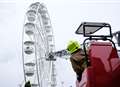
[{"x": 103, "y": 61}]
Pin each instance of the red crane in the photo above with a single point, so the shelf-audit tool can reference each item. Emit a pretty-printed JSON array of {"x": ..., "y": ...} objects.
[{"x": 103, "y": 61}]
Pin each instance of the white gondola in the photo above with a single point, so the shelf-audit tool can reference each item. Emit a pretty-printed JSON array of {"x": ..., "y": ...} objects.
[
  {"x": 50, "y": 37},
  {"x": 31, "y": 15},
  {"x": 45, "y": 16},
  {"x": 29, "y": 72},
  {"x": 28, "y": 50},
  {"x": 30, "y": 64},
  {"x": 42, "y": 11},
  {"x": 28, "y": 43},
  {"x": 29, "y": 28},
  {"x": 34, "y": 6},
  {"x": 47, "y": 28},
  {"x": 42, "y": 6}
]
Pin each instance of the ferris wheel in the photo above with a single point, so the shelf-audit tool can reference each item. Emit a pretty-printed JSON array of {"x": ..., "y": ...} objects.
[{"x": 37, "y": 46}]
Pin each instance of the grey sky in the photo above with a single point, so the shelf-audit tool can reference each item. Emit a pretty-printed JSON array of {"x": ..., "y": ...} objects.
[{"x": 66, "y": 16}]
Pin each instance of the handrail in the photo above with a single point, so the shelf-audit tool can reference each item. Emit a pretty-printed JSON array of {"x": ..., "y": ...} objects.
[{"x": 90, "y": 38}]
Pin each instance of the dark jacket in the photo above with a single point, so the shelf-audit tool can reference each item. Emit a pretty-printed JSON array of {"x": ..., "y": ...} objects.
[
  {"x": 78, "y": 61},
  {"x": 27, "y": 84}
]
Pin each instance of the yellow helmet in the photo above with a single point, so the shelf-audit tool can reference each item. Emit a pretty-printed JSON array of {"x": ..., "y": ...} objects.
[{"x": 73, "y": 46}]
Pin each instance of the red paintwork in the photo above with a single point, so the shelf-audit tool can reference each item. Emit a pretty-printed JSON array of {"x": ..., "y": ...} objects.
[{"x": 105, "y": 67}]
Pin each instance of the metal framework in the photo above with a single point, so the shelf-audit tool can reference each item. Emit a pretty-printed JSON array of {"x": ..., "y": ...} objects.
[{"x": 37, "y": 44}]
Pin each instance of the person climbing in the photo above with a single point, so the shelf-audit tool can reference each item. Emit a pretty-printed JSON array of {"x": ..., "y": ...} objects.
[
  {"x": 27, "y": 84},
  {"x": 77, "y": 58}
]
